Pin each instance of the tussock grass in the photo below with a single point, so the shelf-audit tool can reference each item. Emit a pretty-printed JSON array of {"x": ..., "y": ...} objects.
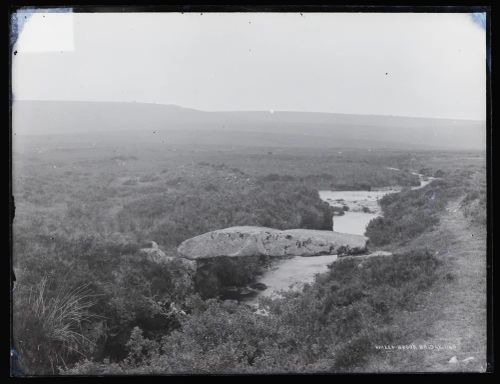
[{"x": 48, "y": 326}]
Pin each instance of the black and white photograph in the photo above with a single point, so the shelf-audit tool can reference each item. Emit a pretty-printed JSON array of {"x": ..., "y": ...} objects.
[{"x": 253, "y": 191}]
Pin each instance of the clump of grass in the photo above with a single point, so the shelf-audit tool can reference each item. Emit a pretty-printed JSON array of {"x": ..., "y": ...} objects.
[{"x": 48, "y": 327}]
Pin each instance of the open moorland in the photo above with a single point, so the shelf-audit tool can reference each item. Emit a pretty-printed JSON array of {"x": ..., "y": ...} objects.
[{"x": 87, "y": 301}]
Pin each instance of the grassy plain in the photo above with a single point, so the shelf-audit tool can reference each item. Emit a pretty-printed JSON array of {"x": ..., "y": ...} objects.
[{"x": 84, "y": 205}]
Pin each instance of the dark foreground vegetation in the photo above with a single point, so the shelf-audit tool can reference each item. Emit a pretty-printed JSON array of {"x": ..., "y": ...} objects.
[
  {"x": 88, "y": 302},
  {"x": 333, "y": 325},
  {"x": 214, "y": 277}
]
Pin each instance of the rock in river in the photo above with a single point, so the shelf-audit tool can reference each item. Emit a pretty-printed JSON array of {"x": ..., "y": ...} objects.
[
  {"x": 258, "y": 286},
  {"x": 261, "y": 241}
]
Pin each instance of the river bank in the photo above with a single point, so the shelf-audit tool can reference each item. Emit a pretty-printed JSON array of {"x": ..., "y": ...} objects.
[
  {"x": 453, "y": 314},
  {"x": 358, "y": 207}
]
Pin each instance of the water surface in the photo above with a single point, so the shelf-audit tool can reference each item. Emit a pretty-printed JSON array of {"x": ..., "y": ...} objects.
[
  {"x": 363, "y": 206},
  {"x": 293, "y": 273}
]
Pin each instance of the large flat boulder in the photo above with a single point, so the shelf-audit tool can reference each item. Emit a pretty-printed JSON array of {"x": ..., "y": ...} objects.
[{"x": 261, "y": 241}]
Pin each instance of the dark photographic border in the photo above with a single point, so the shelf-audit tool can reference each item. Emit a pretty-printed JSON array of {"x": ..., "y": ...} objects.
[{"x": 12, "y": 6}]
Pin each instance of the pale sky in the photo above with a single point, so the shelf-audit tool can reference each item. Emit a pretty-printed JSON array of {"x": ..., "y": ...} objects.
[{"x": 422, "y": 65}]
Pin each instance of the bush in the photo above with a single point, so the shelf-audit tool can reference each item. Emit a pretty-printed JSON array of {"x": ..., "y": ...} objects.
[
  {"x": 474, "y": 207},
  {"x": 213, "y": 275},
  {"x": 331, "y": 326},
  {"x": 407, "y": 214},
  {"x": 171, "y": 218},
  {"x": 131, "y": 290}
]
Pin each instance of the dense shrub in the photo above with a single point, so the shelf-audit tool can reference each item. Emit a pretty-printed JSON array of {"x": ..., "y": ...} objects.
[
  {"x": 131, "y": 290},
  {"x": 412, "y": 212},
  {"x": 474, "y": 207},
  {"x": 408, "y": 214},
  {"x": 174, "y": 217},
  {"x": 213, "y": 275},
  {"x": 332, "y": 326}
]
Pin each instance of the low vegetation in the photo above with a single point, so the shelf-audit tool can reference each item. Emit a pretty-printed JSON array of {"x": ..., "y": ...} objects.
[
  {"x": 172, "y": 217},
  {"x": 50, "y": 329},
  {"x": 82, "y": 216},
  {"x": 332, "y": 326},
  {"x": 213, "y": 276},
  {"x": 411, "y": 212}
]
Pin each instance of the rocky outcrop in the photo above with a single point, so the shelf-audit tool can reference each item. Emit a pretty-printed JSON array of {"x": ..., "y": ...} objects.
[
  {"x": 156, "y": 255},
  {"x": 260, "y": 241},
  {"x": 189, "y": 264}
]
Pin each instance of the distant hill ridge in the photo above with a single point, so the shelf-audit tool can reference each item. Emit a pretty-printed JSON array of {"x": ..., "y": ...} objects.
[{"x": 280, "y": 127}]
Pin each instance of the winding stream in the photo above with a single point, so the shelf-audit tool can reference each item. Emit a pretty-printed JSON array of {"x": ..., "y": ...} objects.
[{"x": 362, "y": 207}]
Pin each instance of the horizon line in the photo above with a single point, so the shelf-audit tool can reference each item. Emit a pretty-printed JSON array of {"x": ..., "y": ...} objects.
[{"x": 271, "y": 111}]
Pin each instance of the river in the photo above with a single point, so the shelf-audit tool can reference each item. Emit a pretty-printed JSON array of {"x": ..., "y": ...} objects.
[{"x": 362, "y": 207}]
